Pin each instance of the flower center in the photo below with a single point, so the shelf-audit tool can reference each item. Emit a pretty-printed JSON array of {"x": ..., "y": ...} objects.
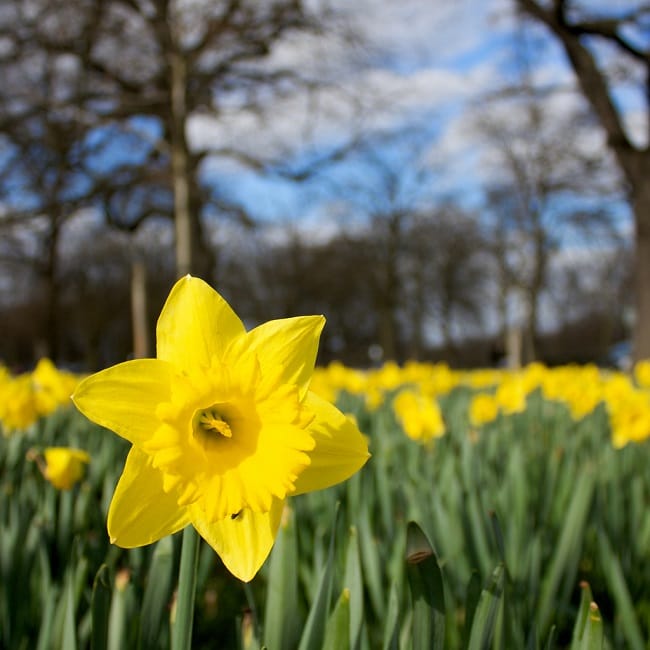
[
  {"x": 211, "y": 422},
  {"x": 212, "y": 427}
]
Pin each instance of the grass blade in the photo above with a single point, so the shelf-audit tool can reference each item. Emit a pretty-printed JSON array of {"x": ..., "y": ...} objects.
[
  {"x": 157, "y": 596},
  {"x": 100, "y": 608},
  {"x": 337, "y": 632},
  {"x": 485, "y": 616},
  {"x": 391, "y": 626},
  {"x": 617, "y": 586},
  {"x": 353, "y": 580},
  {"x": 281, "y": 623},
  {"x": 566, "y": 557},
  {"x": 314, "y": 632},
  {"x": 427, "y": 591}
]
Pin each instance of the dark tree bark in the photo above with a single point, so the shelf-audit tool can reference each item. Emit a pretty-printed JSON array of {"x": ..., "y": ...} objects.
[{"x": 574, "y": 32}]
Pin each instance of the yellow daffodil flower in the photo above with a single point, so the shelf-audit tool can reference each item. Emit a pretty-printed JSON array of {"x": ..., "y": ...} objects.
[
  {"x": 420, "y": 416},
  {"x": 51, "y": 386},
  {"x": 642, "y": 373},
  {"x": 18, "y": 408},
  {"x": 223, "y": 428},
  {"x": 511, "y": 395},
  {"x": 483, "y": 408},
  {"x": 64, "y": 466}
]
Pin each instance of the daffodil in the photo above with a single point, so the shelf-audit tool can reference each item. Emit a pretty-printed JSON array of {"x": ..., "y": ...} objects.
[
  {"x": 642, "y": 373},
  {"x": 223, "y": 428},
  {"x": 64, "y": 466},
  {"x": 420, "y": 416},
  {"x": 511, "y": 395},
  {"x": 483, "y": 408},
  {"x": 18, "y": 408},
  {"x": 51, "y": 386}
]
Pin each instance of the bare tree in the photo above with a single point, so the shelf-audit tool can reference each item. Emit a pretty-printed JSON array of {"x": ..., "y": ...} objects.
[
  {"x": 42, "y": 179},
  {"x": 554, "y": 189},
  {"x": 446, "y": 272},
  {"x": 145, "y": 68},
  {"x": 380, "y": 184},
  {"x": 581, "y": 31}
]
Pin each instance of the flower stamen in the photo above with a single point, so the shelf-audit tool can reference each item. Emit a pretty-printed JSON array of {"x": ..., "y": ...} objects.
[{"x": 210, "y": 420}]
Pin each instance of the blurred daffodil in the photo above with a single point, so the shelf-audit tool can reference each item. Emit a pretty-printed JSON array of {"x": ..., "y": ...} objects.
[
  {"x": 64, "y": 467},
  {"x": 511, "y": 395},
  {"x": 223, "y": 428},
  {"x": 642, "y": 373},
  {"x": 483, "y": 408},
  {"x": 419, "y": 415}
]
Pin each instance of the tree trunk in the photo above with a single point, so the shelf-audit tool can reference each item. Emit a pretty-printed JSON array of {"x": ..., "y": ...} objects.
[
  {"x": 180, "y": 155},
  {"x": 634, "y": 162},
  {"x": 528, "y": 332},
  {"x": 513, "y": 347},
  {"x": 387, "y": 333},
  {"x": 389, "y": 288},
  {"x": 139, "y": 310},
  {"x": 417, "y": 306},
  {"x": 641, "y": 203},
  {"x": 50, "y": 271}
]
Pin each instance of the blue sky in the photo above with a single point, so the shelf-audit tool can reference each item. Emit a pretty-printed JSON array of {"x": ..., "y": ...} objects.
[
  {"x": 428, "y": 67},
  {"x": 427, "y": 63}
]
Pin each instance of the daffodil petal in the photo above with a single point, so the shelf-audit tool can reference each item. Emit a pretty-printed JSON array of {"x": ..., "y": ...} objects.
[
  {"x": 195, "y": 325},
  {"x": 141, "y": 512},
  {"x": 286, "y": 349},
  {"x": 341, "y": 449},
  {"x": 124, "y": 398},
  {"x": 244, "y": 541}
]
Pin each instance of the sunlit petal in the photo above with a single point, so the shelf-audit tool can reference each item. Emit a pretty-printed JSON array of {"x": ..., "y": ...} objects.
[
  {"x": 195, "y": 325},
  {"x": 340, "y": 451},
  {"x": 124, "y": 398},
  {"x": 286, "y": 349},
  {"x": 141, "y": 512},
  {"x": 243, "y": 541}
]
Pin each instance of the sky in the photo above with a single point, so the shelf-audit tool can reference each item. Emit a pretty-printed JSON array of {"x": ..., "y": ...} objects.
[
  {"x": 422, "y": 68},
  {"x": 427, "y": 66}
]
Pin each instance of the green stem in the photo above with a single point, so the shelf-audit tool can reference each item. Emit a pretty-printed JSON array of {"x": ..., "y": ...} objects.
[{"x": 182, "y": 628}]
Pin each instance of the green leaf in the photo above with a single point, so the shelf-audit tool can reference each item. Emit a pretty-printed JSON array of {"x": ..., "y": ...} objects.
[
  {"x": 313, "y": 634},
  {"x": 391, "y": 627},
  {"x": 281, "y": 621},
  {"x": 427, "y": 591},
  {"x": 187, "y": 576},
  {"x": 118, "y": 612},
  {"x": 564, "y": 563},
  {"x": 471, "y": 602},
  {"x": 593, "y": 637},
  {"x": 485, "y": 616},
  {"x": 49, "y": 593},
  {"x": 581, "y": 618},
  {"x": 370, "y": 560},
  {"x": 100, "y": 608},
  {"x": 337, "y": 632},
  {"x": 615, "y": 580},
  {"x": 69, "y": 637},
  {"x": 353, "y": 581},
  {"x": 157, "y": 595}
]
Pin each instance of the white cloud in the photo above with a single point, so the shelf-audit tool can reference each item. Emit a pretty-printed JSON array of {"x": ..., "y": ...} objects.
[
  {"x": 421, "y": 63},
  {"x": 417, "y": 58}
]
